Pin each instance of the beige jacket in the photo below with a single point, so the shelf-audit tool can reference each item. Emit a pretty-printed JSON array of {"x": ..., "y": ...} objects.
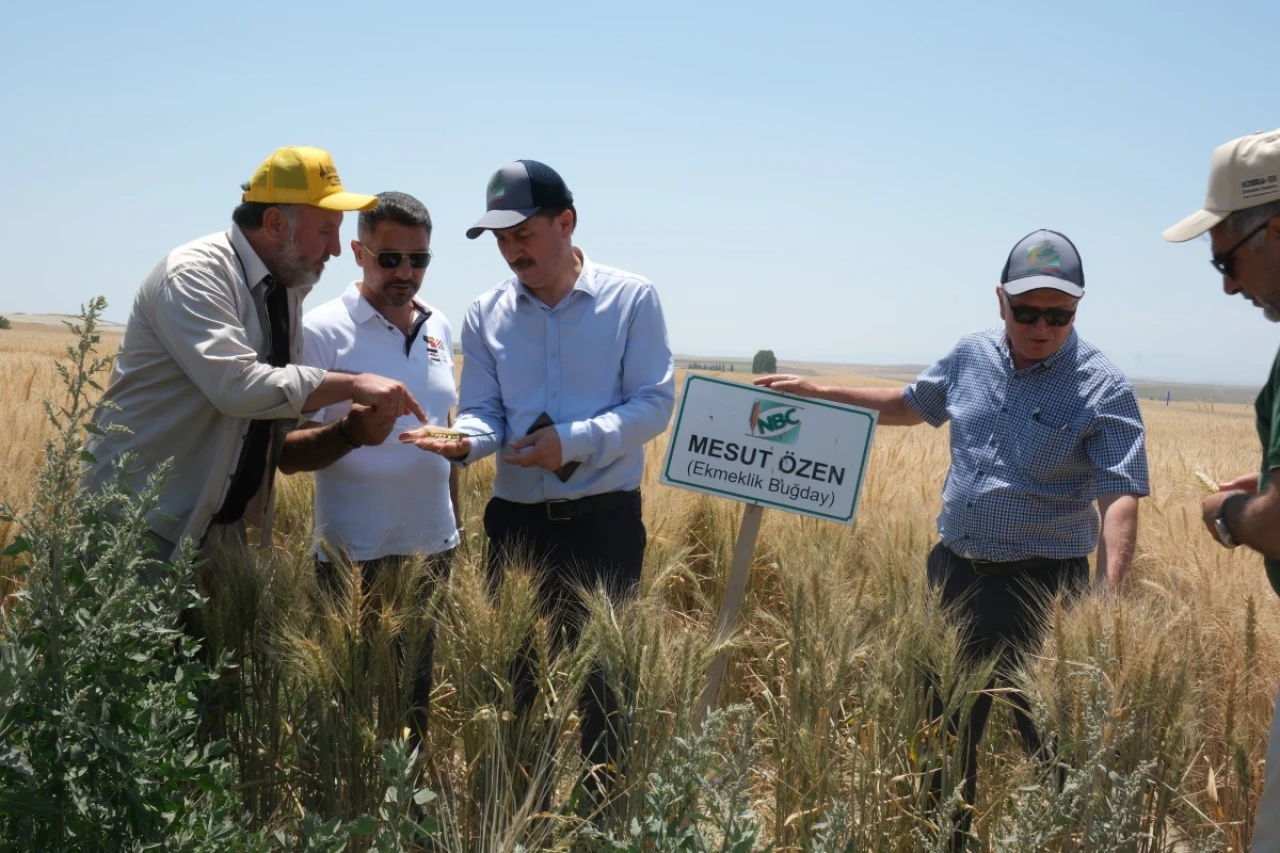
[{"x": 192, "y": 372}]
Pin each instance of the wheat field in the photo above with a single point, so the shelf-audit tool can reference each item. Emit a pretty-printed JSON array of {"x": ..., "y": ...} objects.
[{"x": 1170, "y": 682}]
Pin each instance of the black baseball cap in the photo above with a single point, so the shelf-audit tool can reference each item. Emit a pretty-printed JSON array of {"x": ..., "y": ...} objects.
[
  {"x": 518, "y": 191},
  {"x": 1043, "y": 259}
]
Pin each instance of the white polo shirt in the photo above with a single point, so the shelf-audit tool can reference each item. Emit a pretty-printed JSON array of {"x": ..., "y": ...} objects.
[{"x": 392, "y": 499}]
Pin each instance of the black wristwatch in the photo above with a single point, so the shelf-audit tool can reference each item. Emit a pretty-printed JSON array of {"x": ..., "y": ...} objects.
[
  {"x": 342, "y": 431},
  {"x": 1220, "y": 522}
]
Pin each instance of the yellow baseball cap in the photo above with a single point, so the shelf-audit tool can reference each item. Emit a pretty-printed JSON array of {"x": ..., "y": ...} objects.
[{"x": 298, "y": 174}]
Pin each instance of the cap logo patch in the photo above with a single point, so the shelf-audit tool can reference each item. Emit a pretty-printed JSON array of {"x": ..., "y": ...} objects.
[
  {"x": 497, "y": 188},
  {"x": 1259, "y": 187},
  {"x": 330, "y": 174},
  {"x": 1044, "y": 255}
]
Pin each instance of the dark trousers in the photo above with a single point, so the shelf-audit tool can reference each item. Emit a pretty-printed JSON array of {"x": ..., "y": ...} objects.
[
  {"x": 437, "y": 569},
  {"x": 1002, "y": 616},
  {"x": 602, "y": 549}
]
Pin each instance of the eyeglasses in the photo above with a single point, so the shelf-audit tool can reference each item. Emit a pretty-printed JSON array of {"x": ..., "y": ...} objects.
[
  {"x": 1027, "y": 316},
  {"x": 1226, "y": 264},
  {"x": 391, "y": 260}
]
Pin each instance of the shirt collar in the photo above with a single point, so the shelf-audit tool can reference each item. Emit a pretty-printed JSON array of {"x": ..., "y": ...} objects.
[
  {"x": 254, "y": 269},
  {"x": 586, "y": 282},
  {"x": 362, "y": 311},
  {"x": 1003, "y": 344}
]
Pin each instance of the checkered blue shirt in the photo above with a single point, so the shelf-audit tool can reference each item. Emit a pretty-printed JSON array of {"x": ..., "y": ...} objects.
[{"x": 1030, "y": 449}]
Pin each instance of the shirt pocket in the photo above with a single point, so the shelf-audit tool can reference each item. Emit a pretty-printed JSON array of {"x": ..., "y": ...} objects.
[{"x": 1050, "y": 452}]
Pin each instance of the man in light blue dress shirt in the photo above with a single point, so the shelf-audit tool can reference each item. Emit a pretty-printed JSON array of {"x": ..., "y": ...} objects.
[{"x": 566, "y": 374}]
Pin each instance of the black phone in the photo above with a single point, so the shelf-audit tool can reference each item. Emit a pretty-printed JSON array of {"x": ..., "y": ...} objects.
[{"x": 565, "y": 471}]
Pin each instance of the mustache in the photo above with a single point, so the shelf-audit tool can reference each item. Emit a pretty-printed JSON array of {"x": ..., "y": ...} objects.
[{"x": 522, "y": 263}]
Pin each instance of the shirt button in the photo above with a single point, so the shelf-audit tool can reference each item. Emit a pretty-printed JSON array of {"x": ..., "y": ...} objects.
[
  {"x": 969, "y": 504},
  {"x": 553, "y": 353},
  {"x": 1003, "y": 409},
  {"x": 554, "y": 393}
]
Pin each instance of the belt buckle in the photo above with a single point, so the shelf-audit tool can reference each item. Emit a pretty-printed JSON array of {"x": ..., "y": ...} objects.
[{"x": 551, "y": 516}]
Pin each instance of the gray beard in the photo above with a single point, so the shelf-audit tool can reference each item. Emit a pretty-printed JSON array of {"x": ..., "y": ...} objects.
[
  {"x": 296, "y": 276},
  {"x": 290, "y": 268}
]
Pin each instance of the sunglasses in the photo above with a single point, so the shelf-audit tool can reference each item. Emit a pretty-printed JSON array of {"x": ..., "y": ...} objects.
[
  {"x": 1027, "y": 316},
  {"x": 391, "y": 260},
  {"x": 1226, "y": 264}
]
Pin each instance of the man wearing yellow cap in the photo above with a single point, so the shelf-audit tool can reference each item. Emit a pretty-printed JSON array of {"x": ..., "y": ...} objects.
[
  {"x": 209, "y": 372},
  {"x": 1241, "y": 214}
]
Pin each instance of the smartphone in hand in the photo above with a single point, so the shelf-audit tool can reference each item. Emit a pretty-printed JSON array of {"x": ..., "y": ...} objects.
[{"x": 565, "y": 471}]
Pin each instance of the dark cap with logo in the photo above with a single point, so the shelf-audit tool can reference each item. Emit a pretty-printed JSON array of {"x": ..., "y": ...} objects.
[
  {"x": 1043, "y": 259},
  {"x": 518, "y": 191}
]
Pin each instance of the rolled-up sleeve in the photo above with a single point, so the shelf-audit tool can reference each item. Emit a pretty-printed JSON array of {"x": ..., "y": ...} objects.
[
  {"x": 1117, "y": 445},
  {"x": 480, "y": 407},
  {"x": 196, "y": 321},
  {"x": 648, "y": 393},
  {"x": 927, "y": 396}
]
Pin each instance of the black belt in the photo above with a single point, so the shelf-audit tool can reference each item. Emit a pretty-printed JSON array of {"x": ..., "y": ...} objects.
[
  {"x": 567, "y": 510},
  {"x": 1013, "y": 567}
]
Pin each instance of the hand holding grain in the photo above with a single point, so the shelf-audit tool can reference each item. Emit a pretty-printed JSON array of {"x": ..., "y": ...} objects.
[
  {"x": 1247, "y": 484},
  {"x": 449, "y": 443}
]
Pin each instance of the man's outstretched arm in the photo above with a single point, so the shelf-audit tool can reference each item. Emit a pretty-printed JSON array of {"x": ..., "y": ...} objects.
[{"x": 889, "y": 402}]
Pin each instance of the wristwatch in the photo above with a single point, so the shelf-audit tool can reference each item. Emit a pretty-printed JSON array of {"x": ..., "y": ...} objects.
[
  {"x": 1220, "y": 523},
  {"x": 342, "y": 431}
]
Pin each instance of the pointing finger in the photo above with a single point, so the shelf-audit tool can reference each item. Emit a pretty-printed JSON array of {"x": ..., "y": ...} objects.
[{"x": 412, "y": 407}]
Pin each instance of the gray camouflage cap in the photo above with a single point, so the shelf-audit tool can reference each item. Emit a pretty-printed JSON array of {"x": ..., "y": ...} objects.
[{"x": 1043, "y": 259}]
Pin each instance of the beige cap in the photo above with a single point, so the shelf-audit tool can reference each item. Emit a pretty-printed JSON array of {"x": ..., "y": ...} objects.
[{"x": 1244, "y": 173}]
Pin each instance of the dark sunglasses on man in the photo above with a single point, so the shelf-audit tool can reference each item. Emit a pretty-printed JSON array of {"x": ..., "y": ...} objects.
[
  {"x": 391, "y": 260},
  {"x": 1225, "y": 263},
  {"x": 1027, "y": 315}
]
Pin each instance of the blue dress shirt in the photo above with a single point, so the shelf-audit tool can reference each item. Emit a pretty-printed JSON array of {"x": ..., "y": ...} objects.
[
  {"x": 1030, "y": 449},
  {"x": 597, "y": 363}
]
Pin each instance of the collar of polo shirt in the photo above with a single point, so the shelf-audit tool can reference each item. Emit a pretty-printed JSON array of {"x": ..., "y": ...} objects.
[{"x": 362, "y": 311}]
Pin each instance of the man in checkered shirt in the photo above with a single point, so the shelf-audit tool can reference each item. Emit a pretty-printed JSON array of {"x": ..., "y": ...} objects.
[{"x": 1042, "y": 426}]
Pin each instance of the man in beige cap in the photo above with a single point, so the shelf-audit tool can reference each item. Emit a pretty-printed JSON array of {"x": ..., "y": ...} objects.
[
  {"x": 1242, "y": 216},
  {"x": 209, "y": 371}
]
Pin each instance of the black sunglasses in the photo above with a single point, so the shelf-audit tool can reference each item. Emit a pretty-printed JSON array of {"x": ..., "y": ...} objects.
[
  {"x": 391, "y": 260},
  {"x": 1027, "y": 316},
  {"x": 1226, "y": 264}
]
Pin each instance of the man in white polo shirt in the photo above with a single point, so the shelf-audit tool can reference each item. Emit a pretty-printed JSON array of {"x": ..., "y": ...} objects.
[{"x": 377, "y": 502}]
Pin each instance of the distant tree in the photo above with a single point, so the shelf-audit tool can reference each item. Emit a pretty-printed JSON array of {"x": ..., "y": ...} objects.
[
  {"x": 764, "y": 362},
  {"x": 4, "y": 323}
]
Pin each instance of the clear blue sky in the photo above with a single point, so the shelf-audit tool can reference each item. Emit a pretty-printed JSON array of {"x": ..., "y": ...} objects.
[{"x": 835, "y": 182}]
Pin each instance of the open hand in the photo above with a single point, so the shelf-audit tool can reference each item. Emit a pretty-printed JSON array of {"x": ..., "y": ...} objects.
[
  {"x": 449, "y": 448},
  {"x": 538, "y": 449},
  {"x": 788, "y": 384}
]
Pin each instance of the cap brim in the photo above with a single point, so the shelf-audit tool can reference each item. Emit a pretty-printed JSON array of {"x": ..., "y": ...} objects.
[
  {"x": 496, "y": 220},
  {"x": 347, "y": 202},
  {"x": 1026, "y": 284},
  {"x": 1195, "y": 225}
]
